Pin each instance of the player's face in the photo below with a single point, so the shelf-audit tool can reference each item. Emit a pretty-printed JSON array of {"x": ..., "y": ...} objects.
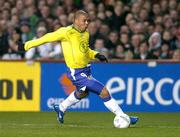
[{"x": 82, "y": 22}]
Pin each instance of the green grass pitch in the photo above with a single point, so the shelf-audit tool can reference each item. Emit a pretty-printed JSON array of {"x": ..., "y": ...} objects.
[{"x": 86, "y": 124}]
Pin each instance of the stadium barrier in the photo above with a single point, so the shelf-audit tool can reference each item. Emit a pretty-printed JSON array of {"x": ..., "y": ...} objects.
[{"x": 148, "y": 86}]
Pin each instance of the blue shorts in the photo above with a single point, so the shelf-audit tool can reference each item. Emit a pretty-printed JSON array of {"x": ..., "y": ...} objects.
[{"x": 84, "y": 81}]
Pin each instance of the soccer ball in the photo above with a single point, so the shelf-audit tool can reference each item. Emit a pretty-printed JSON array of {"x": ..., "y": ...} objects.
[{"x": 122, "y": 121}]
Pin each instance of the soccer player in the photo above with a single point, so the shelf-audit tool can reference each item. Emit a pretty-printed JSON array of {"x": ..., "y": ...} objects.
[{"x": 75, "y": 45}]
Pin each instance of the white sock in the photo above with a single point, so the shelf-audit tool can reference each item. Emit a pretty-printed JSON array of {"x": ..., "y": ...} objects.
[
  {"x": 113, "y": 106},
  {"x": 69, "y": 101}
]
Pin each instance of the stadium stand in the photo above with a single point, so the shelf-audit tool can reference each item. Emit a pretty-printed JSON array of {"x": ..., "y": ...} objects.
[{"x": 127, "y": 29}]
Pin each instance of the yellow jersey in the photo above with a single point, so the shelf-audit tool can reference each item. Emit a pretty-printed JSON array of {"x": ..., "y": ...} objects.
[{"x": 75, "y": 45}]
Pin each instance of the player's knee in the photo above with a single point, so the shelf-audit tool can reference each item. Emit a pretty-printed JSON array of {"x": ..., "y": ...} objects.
[
  {"x": 104, "y": 93},
  {"x": 84, "y": 94},
  {"x": 81, "y": 95}
]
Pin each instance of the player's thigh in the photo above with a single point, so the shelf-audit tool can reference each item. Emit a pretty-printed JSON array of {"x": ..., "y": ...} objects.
[{"x": 94, "y": 85}]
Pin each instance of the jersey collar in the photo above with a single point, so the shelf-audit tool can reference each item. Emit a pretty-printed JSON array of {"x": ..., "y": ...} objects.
[{"x": 76, "y": 29}]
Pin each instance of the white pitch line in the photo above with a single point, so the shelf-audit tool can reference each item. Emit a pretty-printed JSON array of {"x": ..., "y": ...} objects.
[
  {"x": 156, "y": 126},
  {"x": 15, "y": 125},
  {"x": 83, "y": 126}
]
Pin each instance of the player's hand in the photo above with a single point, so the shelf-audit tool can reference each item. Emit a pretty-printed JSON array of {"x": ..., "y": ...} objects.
[
  {"x": 23, "y": 47},
  {"x": 26, "y": 45},
  {"x": 101, "y": 57}
]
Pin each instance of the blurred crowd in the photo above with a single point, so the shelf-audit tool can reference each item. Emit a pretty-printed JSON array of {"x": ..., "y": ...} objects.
[{"x": 119, "y": 29}]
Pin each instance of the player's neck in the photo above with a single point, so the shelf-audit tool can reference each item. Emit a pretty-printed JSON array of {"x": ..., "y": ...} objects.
[{"x": 76, "y": 28}]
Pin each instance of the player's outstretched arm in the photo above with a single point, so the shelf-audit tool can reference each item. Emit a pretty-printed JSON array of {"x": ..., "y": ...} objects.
[
  {"x": 49, "y": 37},
  {"x": 101, "y": 57}
]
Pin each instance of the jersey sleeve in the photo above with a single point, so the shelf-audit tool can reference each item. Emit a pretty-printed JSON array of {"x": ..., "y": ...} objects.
[
  {"x": 57, "y": 35},
  {"x": 92, "y": 54}
]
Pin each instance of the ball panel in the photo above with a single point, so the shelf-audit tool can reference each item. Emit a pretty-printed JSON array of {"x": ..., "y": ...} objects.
[{"x": 122, "y": 121}]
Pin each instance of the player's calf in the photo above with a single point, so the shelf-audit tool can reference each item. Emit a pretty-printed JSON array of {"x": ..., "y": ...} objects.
[{"x": 104, "y": 93}]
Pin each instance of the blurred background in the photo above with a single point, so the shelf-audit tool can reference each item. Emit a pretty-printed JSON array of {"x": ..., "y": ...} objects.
[{"x": 120, "y": 29}]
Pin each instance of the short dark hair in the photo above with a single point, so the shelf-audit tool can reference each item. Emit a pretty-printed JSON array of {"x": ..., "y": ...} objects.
[{"x": 80, "y": 12}]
